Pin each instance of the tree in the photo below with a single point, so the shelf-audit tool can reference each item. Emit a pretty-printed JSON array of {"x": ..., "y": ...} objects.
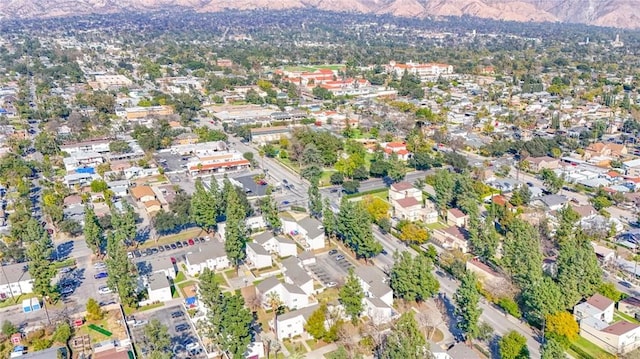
[
  {"x": 92, "y": 231},
  {"x": 350, "y": 187},
  {"x": 270, "y": 213},
  {"x": 542, "y": 298},
  {"x": 376, "y": 207},
  {"x": 94, "y": 312},
  {"x": 228, "y": 322},
  {"x": 552, "y": 182},
  {"x": 467, "y": 298},
  {"x": 329, "y": 221},
  {"x": 405, "y": 341},
  {"x": 336, "y": 178},
  {"x": 124, "y": 224},
  {"x": 354, "y": 228},
  {"x": 609, "y": 290},
  {"x": 412, "y": 232},
  {"x": 204, "y": 206},
  {"x": 513, "y": 346},
  {"x": 443, "y": 184},
  {"x": 70, "y": 227},
  {"x": 562, "y": 327},
  {"x": 396, "y": 170},
  {"x": 411, "y": 278},
  {"x": 235, "y": 230},
  {"x": 119, "y": 146},
  {"x": 315, "y": 323},
  {"x": 351, "y": 295},
  {"x": 158, "y": 335},
  {"x": 522, "y": 254},
  {"x": 579, "y": 274},
  {"x": 315, "y": 200},
  {"x": 121, "y": 278},
  {"x": 551, "y": 349},
  {"x": 98, "y": 186},
  {"x": 62, "y": 334},
  {"x": 8, "y": 328},
  {"x": 41, "y": 267},
  {"x": 46, "y": 144}
]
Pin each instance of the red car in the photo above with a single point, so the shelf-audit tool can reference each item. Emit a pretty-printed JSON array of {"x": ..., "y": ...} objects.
[
  {"x": 191, "y": 242},
  {"x": 173, "y": 260}
]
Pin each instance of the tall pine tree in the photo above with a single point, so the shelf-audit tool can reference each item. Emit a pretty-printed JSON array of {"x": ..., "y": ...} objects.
[
  {"x": 204, "y": 208},
  {"x": 92, "y": 230},
  {"x": 235, "y": 229},
  {"x": 467, "y": 298}
]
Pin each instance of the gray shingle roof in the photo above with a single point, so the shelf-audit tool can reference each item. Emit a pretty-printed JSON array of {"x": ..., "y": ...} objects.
[
  {"x": 294, "y": 272},
  {"x": 15, "y": 273},
  {"x": 312, "y": 226},
  {"x": 209, "y": 250}
]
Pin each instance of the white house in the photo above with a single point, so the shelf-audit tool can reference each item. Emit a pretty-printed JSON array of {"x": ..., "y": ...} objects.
[
  {"x": 294, "y": 274},
  {"x": 378, "y": 296},
  {"x": 210, "y": 255},
  {"x": 159, "y": 288},
  {"x": 309, "y": 232},
  {"x": 155, "y": 264},
  {"x": 291, "y": 296},
  {"x": 281, "y": 246},
  {"x": 15, "y": 280},
  {"x": 292, "y": 324},
  {"x": 257, "y": 256},
  {"x": 597, "y": 306}
]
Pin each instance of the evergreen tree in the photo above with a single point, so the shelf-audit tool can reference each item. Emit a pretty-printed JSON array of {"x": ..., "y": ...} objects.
[
  {"x": 124, "y": 224},
  {"x": 158, "y": 336},
  {"x": 204, "y": 208},
  {"x": 121, "y": 277},
  {"x": 411, "y": 278},
  {"x": 579, "y": 274},
  {"x": 329, "y": 221},
  {"x": 513, "y": 346},
  {"x": 443, "y": 184},
  {"x": 351, "y": 295},
  {"x": 552, "y": 349},
  {"x": 354, "y": 228},
  {"x": 405, "y": 341},
  {"x": 522, "y": 254},
  {"x": 467, "y": 298},
  {"x": 41, "y": 267},
  {"x": 315, "y": 200},
  {"x": 235, "y": 230},
  {"x": 228, "y": 322},
  {"x": 541, "y": 299},
  {"x": 92, "y": 231},
  {"x": 270, "y": 213}
]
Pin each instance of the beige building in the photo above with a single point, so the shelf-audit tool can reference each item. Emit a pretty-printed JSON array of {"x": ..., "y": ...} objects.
[{"x": 537, "y": 164}]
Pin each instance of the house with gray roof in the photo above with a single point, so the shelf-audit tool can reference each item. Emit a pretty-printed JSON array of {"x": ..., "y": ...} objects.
[
  {"x": 15, "y": 280},
  {"x": 552, "y": 202},
  {"x": 292, "y": 324},
  {"x": 155, "y": 264},
  {"x": 257, "y": 256},
  {"x": 210, "y": 255},
  {"x": 279, "y": 245},
  {"x": 309, "y": 232},
  {"x": 378, "y": 296},
  {"x": 290, "y": 295},
  {"x": 296, "y": 275}
]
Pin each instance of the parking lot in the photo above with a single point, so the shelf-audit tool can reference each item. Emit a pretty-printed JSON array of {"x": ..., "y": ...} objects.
[
  {"x": 331, "y": 268},
  {"x": 175, "y": 250},
  {"x": 184, "y": 341}
]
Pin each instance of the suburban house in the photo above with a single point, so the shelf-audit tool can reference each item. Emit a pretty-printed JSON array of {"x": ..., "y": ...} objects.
[
  {"x": 458, "y": 351},
  {"x": 406, "y": 204},
  {"x": 308, "y": 231},
  {"x": 265, "y": 135},
  {"x": 378, "y": 296},
  {"x": 281, "y": 246},
  {"x": 485, "y": 274},
  {"x": 155, "y": 264},
  {"x": 292, "y": 324},
  {"x": 629, "y": 306},
  {"x": 159, "y": 288},
  {"x": 552, "y": 202},
  {"x": 210, "y": 255},
  {"x": 595, "y": 316},
  {"x": 186, "y": 138},
  {"x": 296, "y": 275},
  {"x": 456, "y": 217},
  {"x": 452, "y": 238},
  {"x": 15, "y": 280},
  {"x": 290, "y": 295},
  {"x": 257, "y": 256},
  {"x": 537, "y": 164},
  {"x": 142, "y": 193}
]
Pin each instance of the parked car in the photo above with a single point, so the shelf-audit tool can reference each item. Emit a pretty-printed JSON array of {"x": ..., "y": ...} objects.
[
  {"x": 101, "y": 275},
  {"x": 66, "y": 290},
  {"x": 178, "y": 244},
  {"x": 104, "y": 290},
  {"x": 177, "y": 314},
  {"x": 339, "y": 257},
  {"x": 153, "y": 250},
  {"x": 137, "y": 254},
  {"x": 161, "y": 248},
  {"x": 182, "y": 327},
  {"x": 130, "y": 255},
  {"x": 333, "y": 251},
  {"x": 167, "y": 247},
  {"x": 185, "y": 243},
  {"x": 140, "y": 323},
  {"x": 191, "y": 242},
  {"x": 149, "y": 251},
  {"x": 173, "y": 246}
]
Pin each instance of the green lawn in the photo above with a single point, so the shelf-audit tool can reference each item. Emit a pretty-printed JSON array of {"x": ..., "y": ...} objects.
[
  {"x": 437, "y": 225},
  {"x": 325, "y": 178},
  {"x": 181, "y": 277},
  {"x": 586, "y": 350},
  {"x": 621, "y": 316},
  {"x": 150, "y": 306},
  {"x": 18, "y": 299}
]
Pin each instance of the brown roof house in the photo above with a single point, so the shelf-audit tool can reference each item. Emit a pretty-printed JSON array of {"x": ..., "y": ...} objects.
[
  {"x": 456, "y": 217},
  {"x": 629, "y": 306},
  {"x": 537, "y": 164}
]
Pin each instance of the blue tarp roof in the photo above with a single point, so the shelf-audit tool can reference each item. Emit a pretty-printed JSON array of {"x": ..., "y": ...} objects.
[
  {"x": 89, "y": 170},
  {"x": 191, "y": 300}
]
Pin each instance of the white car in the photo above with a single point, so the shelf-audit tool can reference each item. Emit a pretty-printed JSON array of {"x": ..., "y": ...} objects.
[
  {"x": 100, "y": 265},
  {"x": 104, "y": 290},
  {"x": 140, "y": 323},
  {"x": 192, "y": 346}
]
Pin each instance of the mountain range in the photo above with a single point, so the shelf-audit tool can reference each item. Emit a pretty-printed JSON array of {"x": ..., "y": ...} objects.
[{"x": 614, "y": 13}]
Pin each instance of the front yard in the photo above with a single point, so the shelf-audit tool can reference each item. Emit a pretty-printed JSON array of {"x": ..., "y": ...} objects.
[{"x": 584, "y": 349}]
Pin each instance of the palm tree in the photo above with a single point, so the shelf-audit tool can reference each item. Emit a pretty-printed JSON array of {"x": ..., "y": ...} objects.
[{"x": 275, "y": 303}]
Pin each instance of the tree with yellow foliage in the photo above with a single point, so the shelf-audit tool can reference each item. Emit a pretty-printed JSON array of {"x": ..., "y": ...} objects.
[
  {"x": 562, "y": 327},
  {"x": 413, "y": 232},
  {"x": 376, "y": 207}
]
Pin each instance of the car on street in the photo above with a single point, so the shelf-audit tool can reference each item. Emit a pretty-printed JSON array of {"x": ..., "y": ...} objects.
[
  {"x": 104, "y": 290},
  {"x": 333, "y": 251},
  {"x": 331, "y": 284},
  {"x": 173, "y": 260},
  {"x": 101, "y": 275},
  {"x": 384, "y": 252},
  {"x": 177, "y": 314},
  {"x": 333, "y": 190},
  {"x": 625, "y": 284},
  {"x": 151, "y": 251},
  {"x": 286, "y": 203},
  {"x": 339, "y": 257},
  {"x": 182, "y": 327},
  {"x": 130, "y": 255}
]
